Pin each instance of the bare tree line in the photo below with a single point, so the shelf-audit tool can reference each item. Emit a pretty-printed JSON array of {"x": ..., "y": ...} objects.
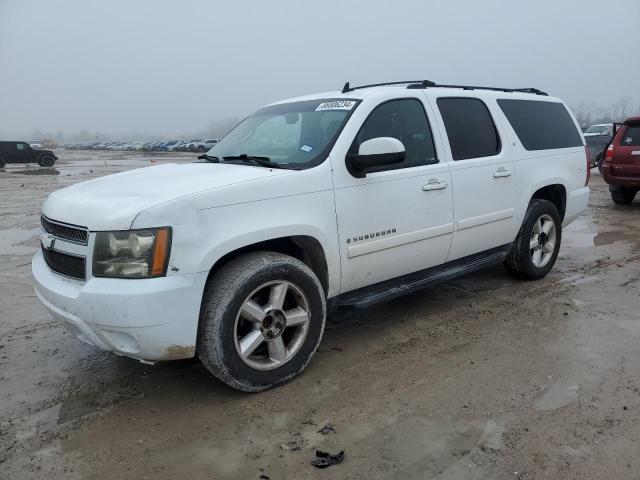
[
  {"x": 587, "y": 113},
  {"x": 590, "y": 113},
  {"x": 215, "y": 129}
]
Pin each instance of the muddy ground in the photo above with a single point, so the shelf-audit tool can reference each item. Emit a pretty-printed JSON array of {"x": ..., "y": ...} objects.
[{"x": 484, "y": 377}]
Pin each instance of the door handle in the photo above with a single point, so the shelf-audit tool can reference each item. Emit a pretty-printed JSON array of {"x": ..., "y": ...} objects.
[
  {"x": 434, "y": 184},
  {"x": 501, "y": 172},
  {"x": 635, "y": 152}
]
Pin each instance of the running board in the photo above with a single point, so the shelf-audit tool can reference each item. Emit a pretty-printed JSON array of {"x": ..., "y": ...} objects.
[{"x": 396, "y": 287}]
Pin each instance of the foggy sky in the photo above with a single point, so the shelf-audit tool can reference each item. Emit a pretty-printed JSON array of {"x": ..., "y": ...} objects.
[{"x": 172, "y": 67}]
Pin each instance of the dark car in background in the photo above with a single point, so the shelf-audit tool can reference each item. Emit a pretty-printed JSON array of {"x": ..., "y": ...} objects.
[
  {"x": 621, "y": 167},
  {"x": 21, "y": 152},
  {"x": 597, "y": 138}
]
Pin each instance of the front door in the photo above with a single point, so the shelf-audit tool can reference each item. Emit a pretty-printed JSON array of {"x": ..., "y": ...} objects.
[{"x": 398, "y": 219}]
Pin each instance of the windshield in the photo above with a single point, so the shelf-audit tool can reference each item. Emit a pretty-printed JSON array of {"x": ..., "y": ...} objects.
[
  {"x": 293, "y": 135},
  {"x": 599, "y": 129}
]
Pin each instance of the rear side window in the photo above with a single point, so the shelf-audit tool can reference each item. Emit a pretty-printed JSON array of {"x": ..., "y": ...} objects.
[
  {"x": 470, "y": 128},
  {"x": 541, "y": 125},
  {"x": 631, "y": 137}
]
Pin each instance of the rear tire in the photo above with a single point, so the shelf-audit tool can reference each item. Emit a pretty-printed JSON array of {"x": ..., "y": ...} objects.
[
  {"x": 251, "y": 338},
  {"x": 3, "y": 162},
  {"x": 599, "y": 162},
  {"x": 536, "y": 247},
  {"x": 621, "y": 195},
  {"x": 46, "y": 161}
]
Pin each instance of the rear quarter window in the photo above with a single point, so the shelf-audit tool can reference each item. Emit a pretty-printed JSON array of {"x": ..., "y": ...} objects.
[
  {"x": 631, "y": 138},
  {"x": 541, "y": 125}
]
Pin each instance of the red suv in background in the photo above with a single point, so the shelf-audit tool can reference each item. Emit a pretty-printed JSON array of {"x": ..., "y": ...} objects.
[{"x": 621, "y": 168}]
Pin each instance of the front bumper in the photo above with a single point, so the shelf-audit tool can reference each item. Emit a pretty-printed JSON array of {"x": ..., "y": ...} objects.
[{"x": 151, "y": 319}]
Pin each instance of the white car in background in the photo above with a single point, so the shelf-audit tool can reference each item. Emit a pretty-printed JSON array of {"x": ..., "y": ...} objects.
[
  {"x": 342, "y": 198},
  {"x": 600, "y": 129},
  {"x": 35, "y": 143}
]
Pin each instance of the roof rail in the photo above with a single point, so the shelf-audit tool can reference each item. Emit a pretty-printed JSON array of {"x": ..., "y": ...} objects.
[
  {"x": 348, "y": 88},
  {"x": 429, "y": 84}
]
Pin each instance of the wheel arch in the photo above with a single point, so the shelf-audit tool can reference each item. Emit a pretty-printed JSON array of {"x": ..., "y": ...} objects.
[
  {"x": 555, "y": 193},
  {"x": 305, "y": 248}
]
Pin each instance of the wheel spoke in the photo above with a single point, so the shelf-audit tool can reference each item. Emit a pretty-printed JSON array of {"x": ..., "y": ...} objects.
[
  {"x": 548, "y": 247},
  {"x": 277, "y": 350},
  {"x": 277, "y": 295},
  {"x": 537, "y": 227},
  {"x": 250, "y": 342},
  {"x": 546, "y": 227},
  {"x": 296, "y": 316},
  {"x": 533, "y": 244},
  {"x": 252, "y": 311},
  {"x": 537, "y": 257}
]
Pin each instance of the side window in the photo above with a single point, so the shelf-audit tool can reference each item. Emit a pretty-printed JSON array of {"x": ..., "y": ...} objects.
[
  {"x": 406, "y": 120},
  {"x": 541, "y": 125},
  {"x": 20, "y": 146},
  {"x": 470, "y": 128},
  {"x": 631, "y": 137}
]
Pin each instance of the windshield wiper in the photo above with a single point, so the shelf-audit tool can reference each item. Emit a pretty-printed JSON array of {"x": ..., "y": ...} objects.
[
  {"x": 209, "y": 158},
  {"x": 262, "y": 161}
]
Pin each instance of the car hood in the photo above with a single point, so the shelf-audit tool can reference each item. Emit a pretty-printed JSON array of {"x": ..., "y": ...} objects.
[{"x": 112, "y": 202}]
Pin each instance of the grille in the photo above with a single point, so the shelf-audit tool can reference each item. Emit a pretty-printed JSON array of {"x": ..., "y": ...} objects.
[
  {"x": 65, "y": 264},
  {"x": 66, "y": 232}
]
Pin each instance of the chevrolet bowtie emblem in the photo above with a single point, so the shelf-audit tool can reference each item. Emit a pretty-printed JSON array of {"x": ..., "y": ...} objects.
[{"x": 47, "y": 240}]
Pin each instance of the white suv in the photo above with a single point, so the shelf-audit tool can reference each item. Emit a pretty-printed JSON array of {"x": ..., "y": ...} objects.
[{"x": 341, "y": 198}]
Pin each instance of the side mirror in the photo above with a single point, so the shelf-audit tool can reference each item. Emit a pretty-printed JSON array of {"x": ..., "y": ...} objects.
[{"x": 376, "y": 152}]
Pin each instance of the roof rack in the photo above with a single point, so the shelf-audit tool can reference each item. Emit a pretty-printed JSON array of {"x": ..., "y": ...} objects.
[
  {"x": 348, "y": 88},
  {"x": 429, "y": 84}
]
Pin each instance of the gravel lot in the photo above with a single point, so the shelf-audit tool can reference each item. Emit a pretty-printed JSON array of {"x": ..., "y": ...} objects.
[{"x": 484, "y": 377}]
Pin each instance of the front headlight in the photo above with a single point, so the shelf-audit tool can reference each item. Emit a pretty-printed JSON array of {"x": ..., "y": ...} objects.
[{"x": 132, "y": 253}]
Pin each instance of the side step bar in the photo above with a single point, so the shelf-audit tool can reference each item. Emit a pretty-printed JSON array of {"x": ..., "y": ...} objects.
[{"x": 396, "y": 287}]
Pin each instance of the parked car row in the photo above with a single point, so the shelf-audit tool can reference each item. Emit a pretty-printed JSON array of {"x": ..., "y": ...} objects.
[{"x": 194, "y": 145}]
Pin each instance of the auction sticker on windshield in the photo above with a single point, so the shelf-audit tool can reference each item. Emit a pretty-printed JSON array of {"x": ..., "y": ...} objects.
[{"x": 336, "y": 105}]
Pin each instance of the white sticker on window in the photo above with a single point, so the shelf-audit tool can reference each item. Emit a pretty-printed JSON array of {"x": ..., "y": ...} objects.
[
  {"x": 336, "y": 105},
  {"x": 306, "y": 148}
]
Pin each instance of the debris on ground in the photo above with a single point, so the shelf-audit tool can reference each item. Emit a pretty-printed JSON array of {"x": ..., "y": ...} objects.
[
  {"x": 327, "y": 429},
  {"x": 325, "y": 459},
  {"x": 294, "y": 444}
]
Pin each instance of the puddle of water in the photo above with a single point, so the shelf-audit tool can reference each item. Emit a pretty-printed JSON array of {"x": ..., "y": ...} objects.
[
  {"x": 556, "y": 396},
  {"x": 607, "y": 238},
  {"x": 11, "y": 239}
]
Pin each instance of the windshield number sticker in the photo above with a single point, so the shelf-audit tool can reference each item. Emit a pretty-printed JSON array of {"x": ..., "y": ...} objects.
[
  {"x": 336, "y": 105},
  {"x": 306, "y": 148}
]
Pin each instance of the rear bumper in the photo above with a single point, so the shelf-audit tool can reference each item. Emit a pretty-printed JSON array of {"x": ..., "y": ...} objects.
[
  {"x": 621, "y": 176},
  {"x": 576, "y": 203},
  {"x": 152, "y": 319}
]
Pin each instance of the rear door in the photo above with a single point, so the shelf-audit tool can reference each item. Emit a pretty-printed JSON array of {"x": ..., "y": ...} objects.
[{"x": 481, "y": 174}]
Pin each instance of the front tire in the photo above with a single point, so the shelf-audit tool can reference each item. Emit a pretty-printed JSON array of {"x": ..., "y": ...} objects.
[
  {"x": 3, "y": 162},
  {"x": 537, "y": 245},
  {"x": 621, "y": 195},
  {"x": 262, "y": 319}
]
